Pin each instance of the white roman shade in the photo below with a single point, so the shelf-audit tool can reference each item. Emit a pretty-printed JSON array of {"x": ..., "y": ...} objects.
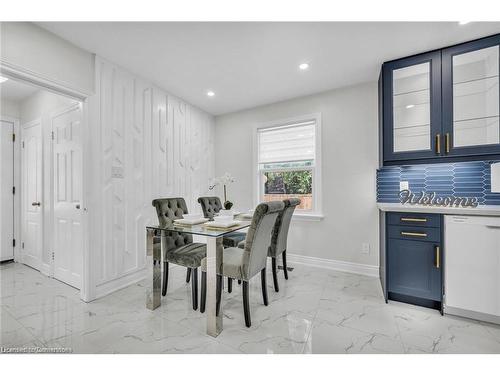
[{"x": 293, "y": 142}]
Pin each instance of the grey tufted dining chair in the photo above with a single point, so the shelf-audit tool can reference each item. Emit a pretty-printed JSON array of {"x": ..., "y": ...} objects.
[
  {"x": 244, "y": 264},
  {"x": 279, "y": 238},
  {"x": 180, "y": 248},
  {"x": 211, "y": 206}
]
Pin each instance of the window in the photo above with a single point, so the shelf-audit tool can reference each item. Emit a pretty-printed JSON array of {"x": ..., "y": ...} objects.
[{"x": 288, "y": 163}]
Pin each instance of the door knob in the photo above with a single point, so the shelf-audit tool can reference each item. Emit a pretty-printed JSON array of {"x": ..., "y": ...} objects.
[
  {"x": 77, "y": 206},
  {"x": 36, "y": 204}
]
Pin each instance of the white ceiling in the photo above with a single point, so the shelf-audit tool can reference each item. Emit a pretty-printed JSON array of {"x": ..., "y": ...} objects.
[
  {"x": 16, "y": 91},
  {"x": 250, "y": 64}
]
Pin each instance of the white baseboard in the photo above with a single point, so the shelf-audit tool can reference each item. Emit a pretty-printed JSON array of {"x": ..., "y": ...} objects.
[
  {"x": 337, "y": 265},
  {"x": 112, "y": 286},
  {"x": 472, "y": 314},
  {"x": 119, "y": 283},
  {"x": 45, "y": 269}
]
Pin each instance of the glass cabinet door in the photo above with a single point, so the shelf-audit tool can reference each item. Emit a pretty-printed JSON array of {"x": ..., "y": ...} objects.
[
  {"x": 471, "y": 103},
  {"x": 411, "y": 117},
  {"x": 411, "y": 104}
]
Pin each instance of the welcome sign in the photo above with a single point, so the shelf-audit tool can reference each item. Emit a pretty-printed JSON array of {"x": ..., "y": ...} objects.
[{"x": 430, "y": 199}]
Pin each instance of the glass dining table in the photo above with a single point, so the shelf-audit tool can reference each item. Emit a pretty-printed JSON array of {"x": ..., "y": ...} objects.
[{"x": 156, "y": 255}]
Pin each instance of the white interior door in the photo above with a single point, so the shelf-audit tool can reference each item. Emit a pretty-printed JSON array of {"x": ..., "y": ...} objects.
[
  {"x": 31, "y": 189},
  {"x": 67, "y": 167},
  {"x": 6, "y": 194}
]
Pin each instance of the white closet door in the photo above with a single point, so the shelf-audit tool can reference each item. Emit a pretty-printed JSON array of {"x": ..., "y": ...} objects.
[
  {"x": 68, "y": 256},
  {"x": 6, "y": 196},
  {"x": 31, "y": 188}
]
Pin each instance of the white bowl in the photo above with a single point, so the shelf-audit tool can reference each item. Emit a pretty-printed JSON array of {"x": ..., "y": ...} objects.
[
  {"x": 191, "y": 216},
  {"x": 226, "y": 213},
  {"x": 223, "y": 219}
]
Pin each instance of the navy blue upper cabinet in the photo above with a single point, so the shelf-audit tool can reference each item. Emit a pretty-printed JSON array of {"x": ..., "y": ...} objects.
[
  {"x": 442, "y": 105},
  {"x": 471, "y": 102},
  {"x": 412, "y": 107}
]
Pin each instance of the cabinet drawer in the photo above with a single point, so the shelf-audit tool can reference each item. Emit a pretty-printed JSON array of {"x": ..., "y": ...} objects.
[
  {"x": 414, "y": 219},
  {"x": 414, "y": 233}
]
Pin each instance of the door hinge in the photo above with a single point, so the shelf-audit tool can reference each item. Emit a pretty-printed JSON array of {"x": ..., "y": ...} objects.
[
  {"x": 13, "y": 190},
  {"x": 14, "y": 242},
  {"x": 52, "y": 135},
  {"x": 53, "y": 256},
  {"x": 23, "y": 144},
  {"x": 22, "y": 245},
  {"x": 13, "y": 137}
]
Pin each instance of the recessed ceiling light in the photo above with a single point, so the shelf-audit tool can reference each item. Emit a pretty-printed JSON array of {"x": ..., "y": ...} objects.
[
  {"x": 304, "y": 66},
  {"x": 463, "y": 22},
  {"x": 410, "y": 106},
  {"x": 210, "y": 93},
  {"x": 3, "y": 79}
]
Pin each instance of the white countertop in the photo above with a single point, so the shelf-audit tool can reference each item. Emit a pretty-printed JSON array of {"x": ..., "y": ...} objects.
[{"x": 481, "y": 210}]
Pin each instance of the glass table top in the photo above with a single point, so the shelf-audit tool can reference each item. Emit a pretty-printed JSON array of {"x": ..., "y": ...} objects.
[{"x": 203, "y": 229}]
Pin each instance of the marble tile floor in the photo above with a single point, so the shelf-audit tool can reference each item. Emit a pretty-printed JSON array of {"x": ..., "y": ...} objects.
[{"x": 316, "y": 311}]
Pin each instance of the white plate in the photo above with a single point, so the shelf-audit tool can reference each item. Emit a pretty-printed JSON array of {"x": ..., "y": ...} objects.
[
  {"x": 214, "y": 224},
  {"x": 247, "y": 215},
  {"x": 192, "y": 216},
  {"x": 223, "y": 219},
  {"x": 234, "y": 214},
  {"x": 190, "y": 222}
]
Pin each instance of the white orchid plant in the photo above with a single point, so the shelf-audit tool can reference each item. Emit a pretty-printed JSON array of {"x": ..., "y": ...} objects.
[{"x": 223, "y": 180}]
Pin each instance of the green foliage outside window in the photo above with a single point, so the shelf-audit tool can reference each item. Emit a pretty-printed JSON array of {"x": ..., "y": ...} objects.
[{"x": 292, "y": 182}]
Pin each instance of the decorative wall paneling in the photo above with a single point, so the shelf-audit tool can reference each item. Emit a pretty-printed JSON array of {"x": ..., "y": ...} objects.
[{"x": 145, "y": 144}]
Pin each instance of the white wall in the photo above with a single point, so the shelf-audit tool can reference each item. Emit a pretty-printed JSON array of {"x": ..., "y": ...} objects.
[
  {"x": 9, "y": 108},
  {"x": 41, "y": 105},
  {"x": 140, "y": 143},
  {"x": 37, "y": 50},
  {"x": 144, "y": 143},
  {"x": 350, "y": 160}
]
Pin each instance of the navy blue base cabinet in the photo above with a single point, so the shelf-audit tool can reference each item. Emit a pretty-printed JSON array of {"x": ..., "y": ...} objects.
[{"x": 414, "y": 258}]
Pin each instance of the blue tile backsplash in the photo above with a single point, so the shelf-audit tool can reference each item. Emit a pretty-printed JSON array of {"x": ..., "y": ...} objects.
[{"x": 466, "y": 179}]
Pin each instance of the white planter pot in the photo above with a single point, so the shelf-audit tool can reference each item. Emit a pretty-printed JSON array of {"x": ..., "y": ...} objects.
[{"x": 226, "y": 212}]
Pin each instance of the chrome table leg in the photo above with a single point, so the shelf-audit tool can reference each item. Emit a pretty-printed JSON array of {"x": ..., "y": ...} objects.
[
  {"x": 153, "y": 266},
  {"x": 214, "y": 262}
]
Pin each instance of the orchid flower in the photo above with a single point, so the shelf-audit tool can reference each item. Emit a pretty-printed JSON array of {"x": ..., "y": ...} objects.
[{"x": 224, "y": 180}]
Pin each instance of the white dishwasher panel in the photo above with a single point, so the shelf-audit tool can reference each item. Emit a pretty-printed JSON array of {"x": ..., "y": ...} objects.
[{"x": 472, "y": 266}]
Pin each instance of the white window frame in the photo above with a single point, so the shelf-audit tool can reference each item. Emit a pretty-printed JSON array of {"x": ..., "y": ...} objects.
[{"x": 316, "y": 213}]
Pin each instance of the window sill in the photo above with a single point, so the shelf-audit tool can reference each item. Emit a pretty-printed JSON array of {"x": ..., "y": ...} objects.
[{"x": 307, "y": 217}]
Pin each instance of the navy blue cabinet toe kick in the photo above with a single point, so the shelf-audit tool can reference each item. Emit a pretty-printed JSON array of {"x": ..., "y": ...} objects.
[{"x": 414, "y": 259}]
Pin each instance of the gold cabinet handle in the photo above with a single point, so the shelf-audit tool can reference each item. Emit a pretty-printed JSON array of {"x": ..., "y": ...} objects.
[
  {"x": 438, "y": 143},
  {"x": 447, "y": 143},
  {"x": 438, "y": 257},
  {"x": 414, "y": 234},
  {"x": 414, "y": 219}
]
